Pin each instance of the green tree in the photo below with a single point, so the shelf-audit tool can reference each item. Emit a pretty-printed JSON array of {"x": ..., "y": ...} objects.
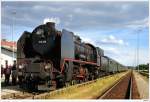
[{"x": 143, "y": 67}]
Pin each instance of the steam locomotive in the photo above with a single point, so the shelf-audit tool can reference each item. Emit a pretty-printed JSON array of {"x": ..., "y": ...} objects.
[{"x": 47, "y": 56}]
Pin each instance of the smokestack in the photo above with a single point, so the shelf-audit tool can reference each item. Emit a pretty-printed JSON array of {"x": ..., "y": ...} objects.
[{"x": 51, "y": 25}]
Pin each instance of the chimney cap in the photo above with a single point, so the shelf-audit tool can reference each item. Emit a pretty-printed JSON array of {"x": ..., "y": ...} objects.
[{"x": 51, "y": 24}]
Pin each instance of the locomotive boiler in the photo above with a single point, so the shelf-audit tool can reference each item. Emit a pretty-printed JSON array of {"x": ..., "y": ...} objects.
[{"x": 48, "y": 57}]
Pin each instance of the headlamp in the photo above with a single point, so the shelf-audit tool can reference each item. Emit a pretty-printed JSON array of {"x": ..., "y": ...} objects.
[
  {"x": 21, "y": 66},
  {"x": 48, "y": 66}
]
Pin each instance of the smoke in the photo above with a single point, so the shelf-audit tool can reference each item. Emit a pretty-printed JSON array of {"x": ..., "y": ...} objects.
[{"x": 53, "y": 19}]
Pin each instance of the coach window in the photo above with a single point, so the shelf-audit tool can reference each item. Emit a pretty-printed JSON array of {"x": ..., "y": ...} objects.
[{"x": 82, "y": 49}]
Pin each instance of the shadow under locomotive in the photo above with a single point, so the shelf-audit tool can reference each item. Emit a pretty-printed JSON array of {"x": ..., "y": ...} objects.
[{"x": 47, "y": 57}]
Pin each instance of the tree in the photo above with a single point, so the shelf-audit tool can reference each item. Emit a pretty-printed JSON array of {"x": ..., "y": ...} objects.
[{"x": 143, "y": 67}]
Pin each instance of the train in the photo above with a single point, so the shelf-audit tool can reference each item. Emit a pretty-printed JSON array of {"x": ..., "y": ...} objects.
[{"x": 48, "y": 57}]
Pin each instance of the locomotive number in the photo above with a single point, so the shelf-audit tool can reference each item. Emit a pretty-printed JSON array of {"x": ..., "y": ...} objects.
[{"x": 42, "y": 42}]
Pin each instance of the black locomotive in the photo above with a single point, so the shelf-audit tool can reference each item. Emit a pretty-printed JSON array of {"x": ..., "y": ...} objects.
[{"x": 47, "y": 56}]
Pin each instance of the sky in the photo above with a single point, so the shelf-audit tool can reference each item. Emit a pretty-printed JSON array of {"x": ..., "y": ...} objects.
[{"x": 112, "y": 26}]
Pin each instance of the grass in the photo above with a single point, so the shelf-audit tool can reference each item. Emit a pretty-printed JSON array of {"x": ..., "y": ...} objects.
[{"x": 84, "y": 91}]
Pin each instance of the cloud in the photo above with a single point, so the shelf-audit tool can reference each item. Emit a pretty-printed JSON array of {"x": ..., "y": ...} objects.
[
  {"x": 113, "y": 41},
  {"x": 92, "y": 20},
  {"x": 131, "y": 59},
  {"x": 52, "y": 19},
  {"x": 70, "y": 17},
  {"x": 42, "y": 7},
  {"x": 139, "y": 24},
  {"x": 88, "y": 40},
  {"x": 88, "y": 11},
  {"x": 111, "y": 50},
  {"x": 127, "y": 56},
  {"x": 77, "y": 15},
  {"x": 69, "y": 20}
]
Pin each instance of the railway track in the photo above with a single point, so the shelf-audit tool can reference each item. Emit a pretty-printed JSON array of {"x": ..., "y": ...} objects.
[
  {"x": 90, "y": 89},
  {"x": 125, "y": 88}
]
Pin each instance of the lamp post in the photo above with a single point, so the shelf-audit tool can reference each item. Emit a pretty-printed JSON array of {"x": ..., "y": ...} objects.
[
  {"x": 13, "y": 53},
  {"x": 138, "y": 45}
]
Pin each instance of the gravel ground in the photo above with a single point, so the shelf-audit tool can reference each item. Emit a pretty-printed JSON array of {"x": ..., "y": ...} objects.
[
  {"x": 135, "y": 92},
  {"x": 9, "y": 89},
  {"x": 142, "y": 85}
]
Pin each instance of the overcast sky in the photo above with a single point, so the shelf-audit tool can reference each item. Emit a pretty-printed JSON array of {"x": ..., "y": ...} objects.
[{"x": 113, "y": 26}]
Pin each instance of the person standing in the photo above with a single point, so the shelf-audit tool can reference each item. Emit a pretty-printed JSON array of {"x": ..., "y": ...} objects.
[
  {"x": 20, "y": 75},
  {"x": 2, "y": 71},
  {"x": 7, "y": 73},
  {"x": 14, "y": 73}
]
